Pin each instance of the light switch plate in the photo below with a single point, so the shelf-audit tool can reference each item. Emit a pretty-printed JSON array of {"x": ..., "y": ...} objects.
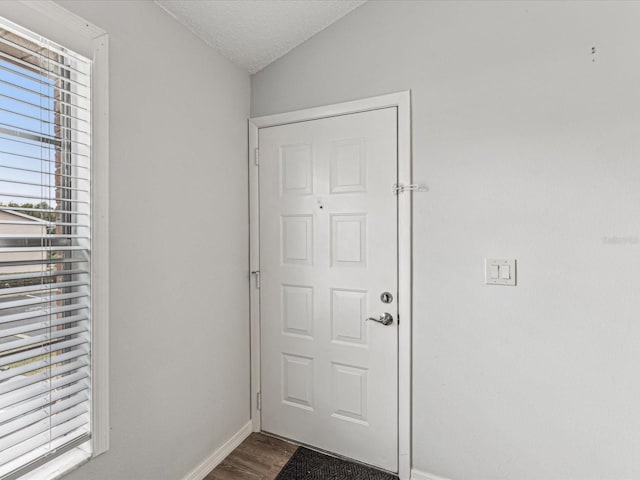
[{"x": 506, "y": 268}]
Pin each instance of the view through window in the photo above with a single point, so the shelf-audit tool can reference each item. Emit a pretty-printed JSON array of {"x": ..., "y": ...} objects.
[{"x": 45, "y": 245}]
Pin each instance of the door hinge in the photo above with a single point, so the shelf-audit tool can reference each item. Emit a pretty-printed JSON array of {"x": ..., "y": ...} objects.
[
  {"x": 258, "y": 401},
  {"x": 256, "y": 274},
  {"x": 400, "y": 188},
  {"x": 256, "y": 156}
]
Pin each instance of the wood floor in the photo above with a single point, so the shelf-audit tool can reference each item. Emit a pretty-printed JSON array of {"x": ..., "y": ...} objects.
[{"x": 259, "y": 457}]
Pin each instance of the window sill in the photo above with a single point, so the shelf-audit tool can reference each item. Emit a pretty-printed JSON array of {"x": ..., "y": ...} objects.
[{"x": 60, "y": 466}]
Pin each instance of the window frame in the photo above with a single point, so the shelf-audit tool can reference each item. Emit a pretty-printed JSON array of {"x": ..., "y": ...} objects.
[{"x": 59, "y": 25}]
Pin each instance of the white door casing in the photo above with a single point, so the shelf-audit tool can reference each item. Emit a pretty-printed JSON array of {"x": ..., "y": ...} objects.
[
  {"x": 328, "y": 244},
  {"x": 401, "y": 101}
]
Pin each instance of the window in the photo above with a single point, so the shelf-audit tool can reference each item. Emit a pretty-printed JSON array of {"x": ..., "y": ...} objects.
[{"x": 46, "y": 288}]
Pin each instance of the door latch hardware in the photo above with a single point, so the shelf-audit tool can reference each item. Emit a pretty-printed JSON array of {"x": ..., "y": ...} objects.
[
  {"x": 256, "y": 273},
  {"x": 386, "y": 319},
  {"x": 398, "y": 188}
]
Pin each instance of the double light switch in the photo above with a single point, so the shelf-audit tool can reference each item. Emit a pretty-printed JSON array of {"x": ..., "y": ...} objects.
[{"x": 500, "y": 271}]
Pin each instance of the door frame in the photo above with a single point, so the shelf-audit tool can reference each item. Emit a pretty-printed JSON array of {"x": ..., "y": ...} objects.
[{"x": 401, "y": 101}]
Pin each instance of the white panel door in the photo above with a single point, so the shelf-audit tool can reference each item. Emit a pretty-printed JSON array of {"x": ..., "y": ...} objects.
[{"x": 328, "y": 250}]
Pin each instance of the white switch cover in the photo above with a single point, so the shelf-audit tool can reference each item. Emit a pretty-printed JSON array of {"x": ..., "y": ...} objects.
[{"x": 500, "y": 271}]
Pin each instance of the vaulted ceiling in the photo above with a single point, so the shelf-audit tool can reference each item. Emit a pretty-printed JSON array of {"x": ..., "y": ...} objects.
[{"x": 254, "y": 33}]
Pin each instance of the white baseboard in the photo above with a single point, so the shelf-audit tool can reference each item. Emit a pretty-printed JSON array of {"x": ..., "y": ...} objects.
[
  {"x": 418, "y": 475},
  {"x": 213, "y": 460}
]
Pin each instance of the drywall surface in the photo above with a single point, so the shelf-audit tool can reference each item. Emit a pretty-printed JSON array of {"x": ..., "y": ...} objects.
[
  {"x": 178, "y": 245},
  {"x": 529, "y": 143}
]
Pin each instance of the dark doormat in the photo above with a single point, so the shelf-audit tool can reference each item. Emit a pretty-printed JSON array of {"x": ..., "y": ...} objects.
[{"x": 306, "y": 464}]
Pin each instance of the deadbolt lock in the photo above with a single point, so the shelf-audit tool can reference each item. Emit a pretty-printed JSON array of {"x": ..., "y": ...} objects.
[{"x": 386, "y": 297}]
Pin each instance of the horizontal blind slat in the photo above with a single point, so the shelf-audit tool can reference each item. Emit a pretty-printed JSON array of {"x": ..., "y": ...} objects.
[
  {"x": 39, "y": 455},
  {"x": 36, "y": 92},
  {"x": 43, "y": 122},
  {"x": 45, "y": 248},
  {"x": 11, "y": 129},
  {"x": 52, "y": 299},
  {"x": 45, "y": 73},
  {"x": 35, "y": 105},
  {"x": 35, "y": 288},
  {"x": 17, "y": 444},
  {"x": 41, "y": 198},
  {"x": 10, "y": 332},
  {"x": 43, "y": 338},
  {"x": 40, "y": 210},
  {"x": 42, "y": 385},
  {"x": 40, "y": 158},
  {"x": 43, "y": 261},
  {"x": 42, "y": 58},
  {"x": 60, "y": 187},
  {"x": 46, "y": 357},
  {"x": 43, "y": 274},
  {"x": 41, "y": 413},
  {"x": 41, "y": 313},
  {"x": 44, "y": 237},
  {"x": 44, "y": 44},
  {"x": 42, "y": 400},
  {"x": 42, "y": 171},
  {"x": 51, "y": 224}
]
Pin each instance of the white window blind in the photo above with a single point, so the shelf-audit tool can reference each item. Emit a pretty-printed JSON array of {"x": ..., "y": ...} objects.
[{"x": 45, "y": 249}]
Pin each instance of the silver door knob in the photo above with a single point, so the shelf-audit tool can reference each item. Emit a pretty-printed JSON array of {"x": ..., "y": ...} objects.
[{"x": 386, "y": 319}]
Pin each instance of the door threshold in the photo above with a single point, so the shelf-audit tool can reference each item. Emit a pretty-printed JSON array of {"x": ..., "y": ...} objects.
[{"x": 326, "y": 452}]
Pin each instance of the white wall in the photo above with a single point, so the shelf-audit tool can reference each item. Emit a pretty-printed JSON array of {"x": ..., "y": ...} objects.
[
  {"x": 529, "y": 145},
  {"x": 178, "y": 245}
]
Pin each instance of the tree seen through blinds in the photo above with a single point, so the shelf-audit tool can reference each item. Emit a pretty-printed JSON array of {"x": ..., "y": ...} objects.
[{"x": 45, "y": 226}]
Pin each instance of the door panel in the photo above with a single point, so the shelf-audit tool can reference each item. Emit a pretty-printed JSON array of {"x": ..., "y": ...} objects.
[{"x": 328, "y": 249}]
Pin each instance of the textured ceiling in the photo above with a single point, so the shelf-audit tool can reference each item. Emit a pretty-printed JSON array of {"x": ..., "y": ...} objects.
[{"x": 254, "y": 33}]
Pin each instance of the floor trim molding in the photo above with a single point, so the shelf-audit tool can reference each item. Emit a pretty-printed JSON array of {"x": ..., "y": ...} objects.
[
  {"x": 418, "y": 475},
  {"x": 213, "y": 460}
]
